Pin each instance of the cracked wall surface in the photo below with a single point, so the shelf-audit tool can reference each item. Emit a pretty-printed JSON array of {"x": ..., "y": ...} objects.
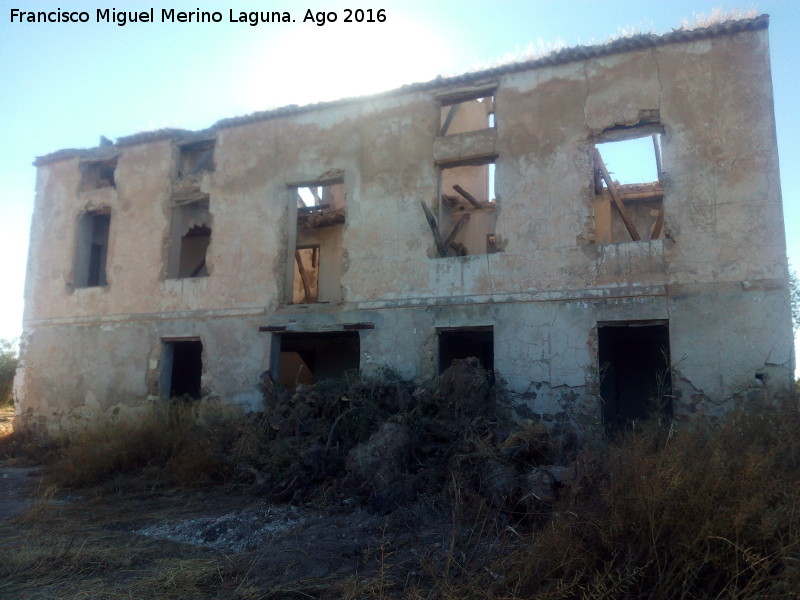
[{"x": 718, "y": 277}]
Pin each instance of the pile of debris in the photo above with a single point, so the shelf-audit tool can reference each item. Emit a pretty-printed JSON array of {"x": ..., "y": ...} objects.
[{"x": 382, "y": 442}]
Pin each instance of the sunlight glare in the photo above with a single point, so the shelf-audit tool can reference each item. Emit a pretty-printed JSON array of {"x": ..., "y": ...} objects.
[{"x": 343, "y": 60}]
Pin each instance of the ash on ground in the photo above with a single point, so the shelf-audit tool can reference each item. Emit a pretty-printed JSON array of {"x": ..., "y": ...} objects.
[{"x": 235, "y": 531}]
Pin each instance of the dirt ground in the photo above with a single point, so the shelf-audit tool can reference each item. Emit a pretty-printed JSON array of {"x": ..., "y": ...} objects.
[{"x": 211, "y": 543}]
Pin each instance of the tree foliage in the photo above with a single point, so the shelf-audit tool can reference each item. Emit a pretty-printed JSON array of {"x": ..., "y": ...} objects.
[{"x": 9, "y": 356}]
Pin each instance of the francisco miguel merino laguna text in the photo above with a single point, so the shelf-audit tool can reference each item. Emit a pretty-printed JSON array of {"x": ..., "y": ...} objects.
[{"x": 170, "y": 15}]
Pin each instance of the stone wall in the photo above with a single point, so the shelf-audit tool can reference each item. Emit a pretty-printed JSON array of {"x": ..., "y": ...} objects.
[{"x": 715, "y": 275}]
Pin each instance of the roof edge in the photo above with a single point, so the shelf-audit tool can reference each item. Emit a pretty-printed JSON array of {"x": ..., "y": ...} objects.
[{"x": 559, "y": 57}]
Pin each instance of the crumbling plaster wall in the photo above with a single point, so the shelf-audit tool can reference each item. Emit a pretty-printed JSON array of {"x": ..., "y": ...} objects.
[
  {"x": 77, "y": 372},
  {"x": 717, "y": 277}
]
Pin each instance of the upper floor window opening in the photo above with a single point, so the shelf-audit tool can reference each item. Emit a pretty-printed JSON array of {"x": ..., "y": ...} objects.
[
  {"x": 467, "y": 212},
  {"x": 190, "y": 239},
  {"x": 317, "y": 261},
  {"x": 92, "y": 248},
  {"x": 628, "y": 191},
  {"x": 195, "y": 158},
  {"x": 463, "y": 113},
  {"x": 98, "y": 174}
]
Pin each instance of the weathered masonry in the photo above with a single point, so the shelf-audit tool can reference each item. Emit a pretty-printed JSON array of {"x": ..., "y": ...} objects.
[{"x": 490, "y": 215}]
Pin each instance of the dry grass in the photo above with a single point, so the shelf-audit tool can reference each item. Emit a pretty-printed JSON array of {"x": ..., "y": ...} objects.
[
  {"x": 176, "y": 446},
  {"x": 716, "y": 16},
  {"x": 91, "y": 566},
  {"x": 666, "y": 511},
  {"x": 669, "y": 512},
  {"x": 73, "y": 551}
]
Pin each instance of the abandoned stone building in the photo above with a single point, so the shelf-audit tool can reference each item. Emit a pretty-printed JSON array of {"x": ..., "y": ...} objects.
[{"x": 488, "y": 215}]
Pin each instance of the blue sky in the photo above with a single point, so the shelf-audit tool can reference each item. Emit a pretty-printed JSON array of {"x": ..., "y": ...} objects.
[{"x": 63, "y": 85}]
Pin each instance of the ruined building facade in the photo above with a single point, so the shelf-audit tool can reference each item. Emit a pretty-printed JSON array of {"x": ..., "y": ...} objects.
[{"x": 486, "y": 215}]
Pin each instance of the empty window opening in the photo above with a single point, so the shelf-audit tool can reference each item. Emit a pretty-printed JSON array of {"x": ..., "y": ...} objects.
[
  {"x": 317, "y": 260},
  {"x": 463, "y": 343},
  {"x": 98, "y": 174},
  {"x": 470, "y": 114},
  {"x": 628, "y": 201},
  {"x": 634, "y": 371},
  {"x": 467, "y": 216},
  {"x": 92, "y": 252},
  {"x": 320, "y": 205},
  {"x": 182, "y": 369},
  {"x": 191, "y": 238},
  {"x": 309, "y": 357},
  {"x": 196, "y": 158},
  {"x": 194, "y": 245}
]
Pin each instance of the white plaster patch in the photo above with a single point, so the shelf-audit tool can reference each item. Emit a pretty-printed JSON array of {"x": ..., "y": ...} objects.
[{"x": 90, "y": 400}]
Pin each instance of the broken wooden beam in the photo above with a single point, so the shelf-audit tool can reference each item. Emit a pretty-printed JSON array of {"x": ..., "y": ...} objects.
[
  {"x": 312, "y": 209},
  {"x": 657, "y": 149},
  {"x": 470, "y": 198},
  {"x": 302, "y": 270},
  {"x": 321, "y": 218},
  {"x": 598, "y": 180},
  {"x": 449, "y": 119},
  {"x": 358, "y": 326},
  {"x": 635, "y": 192},
  {"x": 612, "y": 189},
  {"x": 461, "y": 222},
  {"x": 452, "y": 202},
  {"x": 437, "y": 238},
  {"x": 201, "y": 265},
  {"x": 655, "y": 233},
  {"x": 459, "y": 248}
]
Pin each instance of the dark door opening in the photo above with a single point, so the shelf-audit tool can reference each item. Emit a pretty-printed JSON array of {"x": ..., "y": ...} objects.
[
  {"x": 634, "y": 371},
  {"x": 309, "y": 357},
  {"x": 90, "y": 268},
  {"x": 183, "y": 363},
  {"x": 463, "y": 343}
]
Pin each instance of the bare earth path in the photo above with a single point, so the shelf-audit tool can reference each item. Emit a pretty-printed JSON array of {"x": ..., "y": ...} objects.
[
  {"x": 17, "y": 484},
  {"x": 204, "y": 544}
]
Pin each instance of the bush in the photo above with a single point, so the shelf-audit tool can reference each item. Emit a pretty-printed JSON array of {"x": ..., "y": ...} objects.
[
  {"x": 677, "y": 512},
  {"x": 179, "y": 445},
  {"x": 8, "y": 366}
]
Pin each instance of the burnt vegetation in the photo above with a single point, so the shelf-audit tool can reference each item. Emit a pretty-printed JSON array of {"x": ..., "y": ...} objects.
[{"x": 470, "y": 503}]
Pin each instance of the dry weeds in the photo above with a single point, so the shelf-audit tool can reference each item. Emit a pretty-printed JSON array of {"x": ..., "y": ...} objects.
[{"x": 675, "y": 510}]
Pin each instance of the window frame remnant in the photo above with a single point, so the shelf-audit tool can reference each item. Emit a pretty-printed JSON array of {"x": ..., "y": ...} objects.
[
  {"x": 467, "y": 339},
  {"x": 98, "y": 174},
  {"x": 307, "y": 265},
  {"x": 459, "y": 112},
  {"x": 633, "y": 359},
  {"x": 467, "y": 210},
  {"x": 625, "y": 197},
  {"x": 186, "y": 356},
  {"x": 91, "y": 256},
  {"x": 190, "y": 239},
  {"x": 321, "y": 208}
]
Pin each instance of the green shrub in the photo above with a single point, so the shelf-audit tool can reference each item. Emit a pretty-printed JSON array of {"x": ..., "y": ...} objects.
[{"x": 8, "y": 366}]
